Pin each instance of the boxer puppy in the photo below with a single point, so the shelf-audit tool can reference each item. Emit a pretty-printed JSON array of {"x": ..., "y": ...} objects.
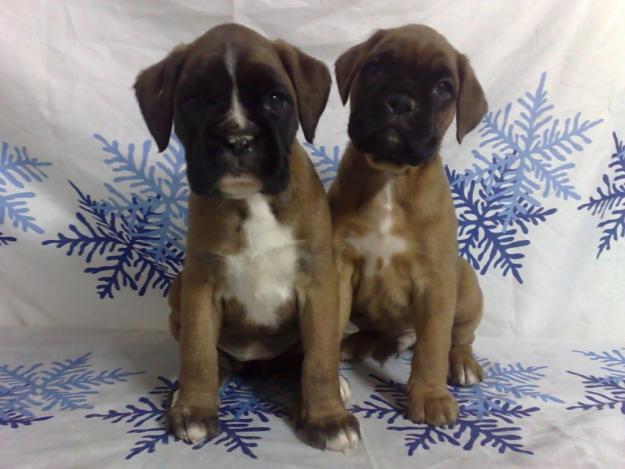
[
  {"x": 400, "y": 276},
  {"x": 259, "y": 276}
]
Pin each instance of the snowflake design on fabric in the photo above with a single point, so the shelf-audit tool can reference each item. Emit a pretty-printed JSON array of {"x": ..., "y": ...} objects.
[
  {"x": 326, "y": 165},
  {"x": 606, "y": 391},
  {"x": 609, "y": 202},
  {"x": 134, "y": 238},
  {"x": 17, "y": 169},
  {"x": 504, "y": 192},
  {"x": 487, "y": 411},
  {"x": 246, "y": 409},
  {"x": 25, "y": 392}
]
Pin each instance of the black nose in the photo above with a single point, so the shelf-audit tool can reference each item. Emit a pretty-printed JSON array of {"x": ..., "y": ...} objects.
[
  {"x": 239, "y": 143},
  {"x": 400, "y": 104}
]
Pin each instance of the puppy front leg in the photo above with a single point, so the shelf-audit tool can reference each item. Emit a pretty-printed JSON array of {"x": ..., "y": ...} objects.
[
  {"x": 428, "y": 397},
  {"x": 323, "y": 420},
  {"x": 194, "y": 415}
]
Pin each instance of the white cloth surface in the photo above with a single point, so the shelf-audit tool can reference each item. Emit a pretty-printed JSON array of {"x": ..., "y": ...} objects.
[{"x": 523, "y": 414}]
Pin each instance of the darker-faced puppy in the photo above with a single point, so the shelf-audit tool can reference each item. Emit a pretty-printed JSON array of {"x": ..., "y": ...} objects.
[
  {"x": 259, "y": 278},
  {"x": 400, "y": 276}
]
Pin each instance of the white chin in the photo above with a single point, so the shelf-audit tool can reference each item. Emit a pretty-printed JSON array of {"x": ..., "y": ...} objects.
[
  {"x": 239, "y": 187},
  {"x": 243, "y": 194}
]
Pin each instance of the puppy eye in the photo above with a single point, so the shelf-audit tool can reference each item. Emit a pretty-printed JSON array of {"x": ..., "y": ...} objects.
[
  {"x": 371, "y": 69},
  {"x": 274, "y": 101},
  {"x": 444, "y": 89},
  {"x": 194, "y": 103}
]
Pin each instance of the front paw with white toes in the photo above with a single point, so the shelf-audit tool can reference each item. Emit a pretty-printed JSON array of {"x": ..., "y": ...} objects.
[
  {"x": 191, "y": 423},
  {"x": 338, "y": 434}
]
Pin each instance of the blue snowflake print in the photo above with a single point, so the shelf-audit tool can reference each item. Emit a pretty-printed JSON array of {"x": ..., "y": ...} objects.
[
  {"x": 245, "y": 411},
  {"x": 504, "y": 192},
  {"x": 481, "y": 240},
  {"x": 609, "y": 203},
  {"x": 605, "y": 391},
  {"x": 25, "y": 392},
  {"x": 15, "y": 419},
  {"x": 140, "y": 227},
  {"x": 488, "y": 411},
  {"x": 326, "y": 165},
  {"x": 17, "y": 169},
  {"x": 6, "y": 239}
]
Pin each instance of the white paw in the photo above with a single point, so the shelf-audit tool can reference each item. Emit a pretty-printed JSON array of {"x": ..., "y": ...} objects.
[
  {"x": 406, "y": 340},
  {"x": 470, "y": 377},
  {"x": 345, "y": 388},
  {"x": 465, "y": 376},
  {"x": 350, "y": 328},
  {"x": 344, "y": 441},
  {"x": 196, "y": 433}
]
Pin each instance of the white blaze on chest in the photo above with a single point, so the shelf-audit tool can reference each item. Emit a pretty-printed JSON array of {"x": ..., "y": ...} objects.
[
  {"x": 379, "y": 245},
  {"x": 261, "y": 276}
]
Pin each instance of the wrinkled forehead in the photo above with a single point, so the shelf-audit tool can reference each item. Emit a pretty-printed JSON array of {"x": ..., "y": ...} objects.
[
  {"x": 416, "y": 51},
  {"x": 244, "y": 57}
]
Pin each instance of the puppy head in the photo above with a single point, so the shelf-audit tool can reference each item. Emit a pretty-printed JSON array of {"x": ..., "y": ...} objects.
[
  {"x": 405, "y": 86},
  {"x": 234, "y": 99}
]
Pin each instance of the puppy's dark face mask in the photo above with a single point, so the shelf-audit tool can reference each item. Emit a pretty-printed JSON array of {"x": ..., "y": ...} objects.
[
  {"x": 234, "y": 99},
  {"x": 405, "y": 86}
]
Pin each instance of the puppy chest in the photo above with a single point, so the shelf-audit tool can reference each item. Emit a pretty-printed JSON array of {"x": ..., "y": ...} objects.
[
  {"x": 261, "y": 275},
  {"x": 380, "y": 242}
]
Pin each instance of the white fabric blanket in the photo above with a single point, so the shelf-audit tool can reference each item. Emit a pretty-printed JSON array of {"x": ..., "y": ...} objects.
[{"x": 80, "y": 398}]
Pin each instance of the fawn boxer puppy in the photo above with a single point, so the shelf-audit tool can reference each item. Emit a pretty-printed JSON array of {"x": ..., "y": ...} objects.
[
  {"x": 400, "y": 276},
  {"x": 259, "y": 276}
]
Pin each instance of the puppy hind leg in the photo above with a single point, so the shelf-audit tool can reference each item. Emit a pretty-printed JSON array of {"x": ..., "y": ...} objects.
[
  {"x": 364, "y": 344},
  {"x": 345, "y": 388},
  {"x": 464, "y": 370}
]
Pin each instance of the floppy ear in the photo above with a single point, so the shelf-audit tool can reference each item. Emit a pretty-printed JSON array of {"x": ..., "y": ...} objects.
[
  {"x": 471, "y": 104},
  {"x": 348, "y": 63},
  {"x": 154, "y": 89},
  {"x": 311, "y": 80}
]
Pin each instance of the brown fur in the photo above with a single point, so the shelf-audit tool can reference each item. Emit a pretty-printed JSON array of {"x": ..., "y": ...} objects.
[
  {"x": 214, "y": 227},
  {"x": 426, "y": 287},
  {"x": 202, "y": 319}
]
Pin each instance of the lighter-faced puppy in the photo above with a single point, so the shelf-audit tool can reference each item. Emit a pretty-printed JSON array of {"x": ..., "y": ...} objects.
[
  {"x": 259, "y": 278},
  {"x": 400, "y": 276}
]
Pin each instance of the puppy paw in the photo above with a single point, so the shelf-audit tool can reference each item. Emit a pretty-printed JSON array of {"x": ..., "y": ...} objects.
[
  {"x": 341, "y": 434},
  {"x": 191, "y": 423},
  {"x": 345, "y": 388},
  {"x": 364, "y": 344},
  {"x": 438, "y": 410},
  {"x": 464, "y": 370}
]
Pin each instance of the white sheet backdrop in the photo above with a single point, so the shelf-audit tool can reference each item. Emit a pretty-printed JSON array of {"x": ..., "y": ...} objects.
[{"x": 67, "y": 70}]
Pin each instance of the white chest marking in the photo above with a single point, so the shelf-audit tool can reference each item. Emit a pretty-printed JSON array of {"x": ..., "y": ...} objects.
[
  {"x": 236, "y": 114},
  {"x": 380, "y": 243},
  {"x": 261, "y": 276}
]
